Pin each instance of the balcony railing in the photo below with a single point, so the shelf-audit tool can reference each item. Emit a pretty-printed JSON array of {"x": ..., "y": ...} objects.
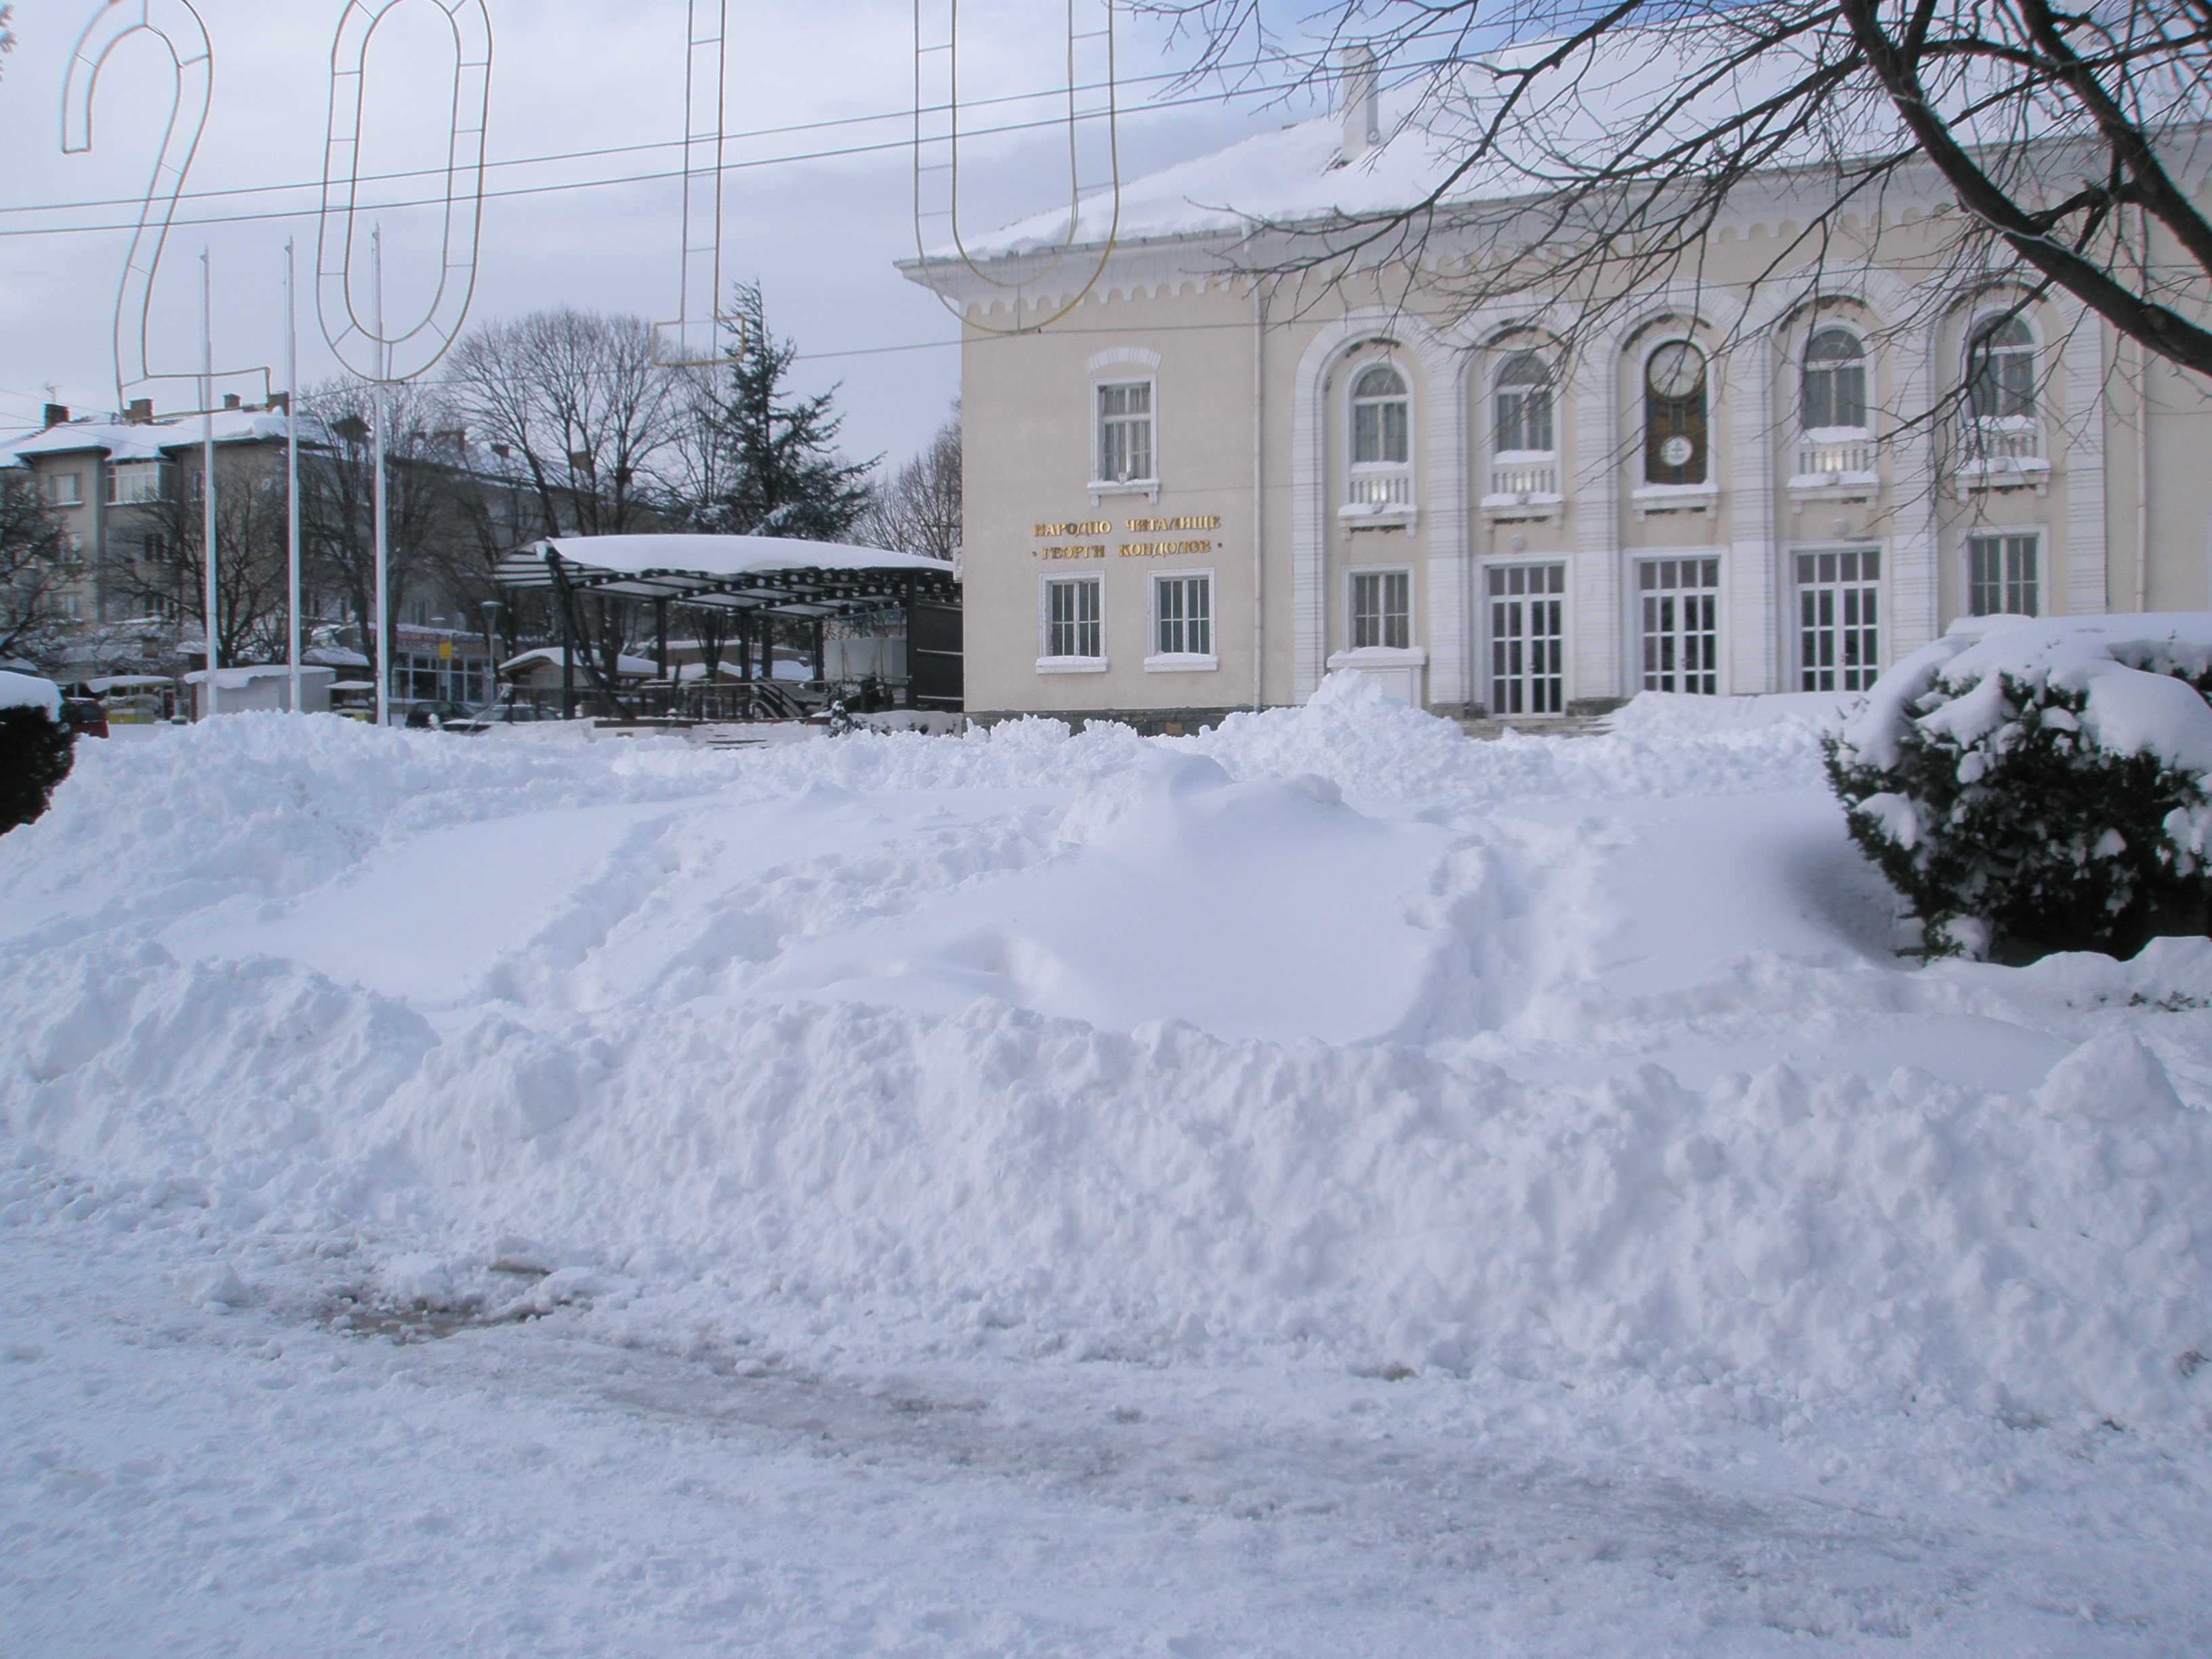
[
  {"x": 1387, "y": 493},
  {"x": 1524, "y": 479},
  {"x": 1835, "y": 458},
  {"x": 1996, "y": 447}
]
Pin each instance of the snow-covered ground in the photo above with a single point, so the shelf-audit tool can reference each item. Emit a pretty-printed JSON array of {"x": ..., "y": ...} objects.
[{"x": 1323, "y": 1186}]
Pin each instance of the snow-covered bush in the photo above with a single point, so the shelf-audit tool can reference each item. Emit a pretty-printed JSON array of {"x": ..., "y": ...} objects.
[
  {"x": 35, "y": 746},
  {"x": 2031, "y": 785}
]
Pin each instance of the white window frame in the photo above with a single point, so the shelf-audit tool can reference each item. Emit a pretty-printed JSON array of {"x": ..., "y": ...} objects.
[
  {"x": 1380, "y": 495},
  {"x": 1100, "y": 383},
  {"x": 2040, "y": 534},
  {"x": 1642, "y": 671},
  {"x": 1351, "y": 577},
  {"x": 1835, "y": 456},
  {"x": 1493, "y": 639},
  {"x": 54, "y": 482},
  {"x": 1158, "y": 661},
  {"x": 1523, "y": 478},
  {"x": 2000, "y": 451},
  {"x": 117, "y": 471},
  {"x": 1838, "y": 625},
  {"x": 1049, "y": 664}
]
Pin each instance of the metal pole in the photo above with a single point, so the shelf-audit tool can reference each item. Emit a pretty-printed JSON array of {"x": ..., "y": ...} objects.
[
  {"x": 383, "y": 504},
  {"x": 207, "y": 467},
  {"x": 292, "y": 467},
  {"x": 567, "y": 639}
]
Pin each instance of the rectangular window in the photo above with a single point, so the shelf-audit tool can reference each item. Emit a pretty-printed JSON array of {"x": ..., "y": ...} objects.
[
  {"x": 1379, "y": 433},
  {"x": 1527, "y": 639},
  {"x": 1071, "y": 628},
  {"x": 65, "y": 489},
  {"x": 1679, "y": 600},
  {"x": 1382, "y": 609},
  {"x": 133, "y": 484},
  {"x": 2001, "y": 576},
  {"x": 1524, "y": 419},
  {"x": 1838, "y": 616},
  {"x": 1125, "y": 433},
  {"x": 1182, "y": 608}
]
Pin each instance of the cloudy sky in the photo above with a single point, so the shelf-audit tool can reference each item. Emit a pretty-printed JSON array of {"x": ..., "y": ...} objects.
[{"x": 584, "y": 137}]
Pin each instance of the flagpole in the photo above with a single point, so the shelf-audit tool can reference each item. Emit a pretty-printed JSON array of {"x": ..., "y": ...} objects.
[
  {"x": 383, "y": 504},
  {"x": 207, "y": 466},
  {"x": 291, "y": 462}
]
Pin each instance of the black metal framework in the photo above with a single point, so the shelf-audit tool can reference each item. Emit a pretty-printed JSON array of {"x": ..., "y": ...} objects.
[{"x": 801, "y": 593}]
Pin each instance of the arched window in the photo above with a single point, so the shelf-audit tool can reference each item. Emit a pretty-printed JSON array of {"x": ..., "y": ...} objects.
[
  {"x": 1675, "y": 415},
  {"x": 1833, "y": 392},
  {"x": 1379, "y": 425},
  {"x": 1381, "y": 476},
  {"x": 2001, "y": 370},
  {"x": 1523, "y": 406}
]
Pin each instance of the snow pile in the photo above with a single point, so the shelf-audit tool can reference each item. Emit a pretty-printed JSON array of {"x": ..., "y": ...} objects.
[
  {"x": 28, "y": 691},
  {"x": 1327, "y": 1032}
]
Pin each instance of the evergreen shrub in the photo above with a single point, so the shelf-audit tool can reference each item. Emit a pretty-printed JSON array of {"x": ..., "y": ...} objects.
[
  {"x": 35, "y": 752},
  {"x": 2027, "y": 795}
]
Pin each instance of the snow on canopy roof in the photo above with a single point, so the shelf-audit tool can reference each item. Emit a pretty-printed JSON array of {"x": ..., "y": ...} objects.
[
  {"x": 1569, "y": 121},
  {"x": 724, "y": 555},
  {"x": 625, "y": 664},
  {"x": 777, "y": 573}
]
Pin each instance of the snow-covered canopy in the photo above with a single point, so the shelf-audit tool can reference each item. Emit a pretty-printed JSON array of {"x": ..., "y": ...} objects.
[
  {"x": 2125, "y": 664},
  {"x": 237, "y": 679},
  {"x": 549, "y": 657},
  {"x": 780, "y": 574}
]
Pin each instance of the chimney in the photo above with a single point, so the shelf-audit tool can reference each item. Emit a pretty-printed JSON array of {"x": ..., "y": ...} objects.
[
  {"x": 277, "y": 400},
  {"x": 229, "y": 401},
  {"x": 57, "y": 414},
  {"x": 141, "y": 412},
  {"x": 1363, "y": 117}
]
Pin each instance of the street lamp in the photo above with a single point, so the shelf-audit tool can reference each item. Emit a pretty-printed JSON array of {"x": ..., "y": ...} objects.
[{"x": 491, "y": 609}]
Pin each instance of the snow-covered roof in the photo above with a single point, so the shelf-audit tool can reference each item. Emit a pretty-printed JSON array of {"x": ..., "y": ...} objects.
[
  {"x": 723, "y": 556},
  {"x": 142, "y": 441},
  {"x": 1569, "y": 119},
  {"x": 106, "y": 682}
]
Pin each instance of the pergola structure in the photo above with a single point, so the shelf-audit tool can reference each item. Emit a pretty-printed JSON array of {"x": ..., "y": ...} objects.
[{"x": 755, "y": 576}]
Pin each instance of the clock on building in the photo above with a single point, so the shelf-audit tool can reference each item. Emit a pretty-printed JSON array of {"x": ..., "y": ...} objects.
[{"x": 1677, "y": 369}]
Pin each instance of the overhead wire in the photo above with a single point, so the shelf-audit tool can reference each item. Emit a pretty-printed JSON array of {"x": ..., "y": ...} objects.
[{"x": 604, "y": 150}]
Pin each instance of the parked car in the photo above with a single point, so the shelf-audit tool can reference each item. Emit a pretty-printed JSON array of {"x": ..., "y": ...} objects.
[
  {"x": 437, "y": 716},
  {"x": 88, "y": 715},
  {"x": 499, "y": 715}
]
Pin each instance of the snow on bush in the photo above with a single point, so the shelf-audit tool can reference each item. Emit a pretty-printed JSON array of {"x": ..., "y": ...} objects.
[
  {"x": 2033, "y": 786},
  {"x": 35, "y": 745}
]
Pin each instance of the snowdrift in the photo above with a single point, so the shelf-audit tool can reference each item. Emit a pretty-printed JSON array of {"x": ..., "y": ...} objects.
[{"x": 1330, "y": 1032}]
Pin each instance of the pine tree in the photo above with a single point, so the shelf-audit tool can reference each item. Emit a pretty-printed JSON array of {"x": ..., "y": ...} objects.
[{"x": 767, "y": 465}]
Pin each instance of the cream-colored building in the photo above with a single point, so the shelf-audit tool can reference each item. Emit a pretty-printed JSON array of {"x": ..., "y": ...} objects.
[{"x": 1197, "y": 490}]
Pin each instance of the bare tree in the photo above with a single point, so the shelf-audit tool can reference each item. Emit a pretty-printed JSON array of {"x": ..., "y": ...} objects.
[
  {"x": 575, "y": 402},
  {"x": 337, "y": 492},
  {"x": 37, "y": 563},
  {"x": 163, "y": 567},
  {"x": 918, "y": 510},
  {"x": 1594, "y": 161}
]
